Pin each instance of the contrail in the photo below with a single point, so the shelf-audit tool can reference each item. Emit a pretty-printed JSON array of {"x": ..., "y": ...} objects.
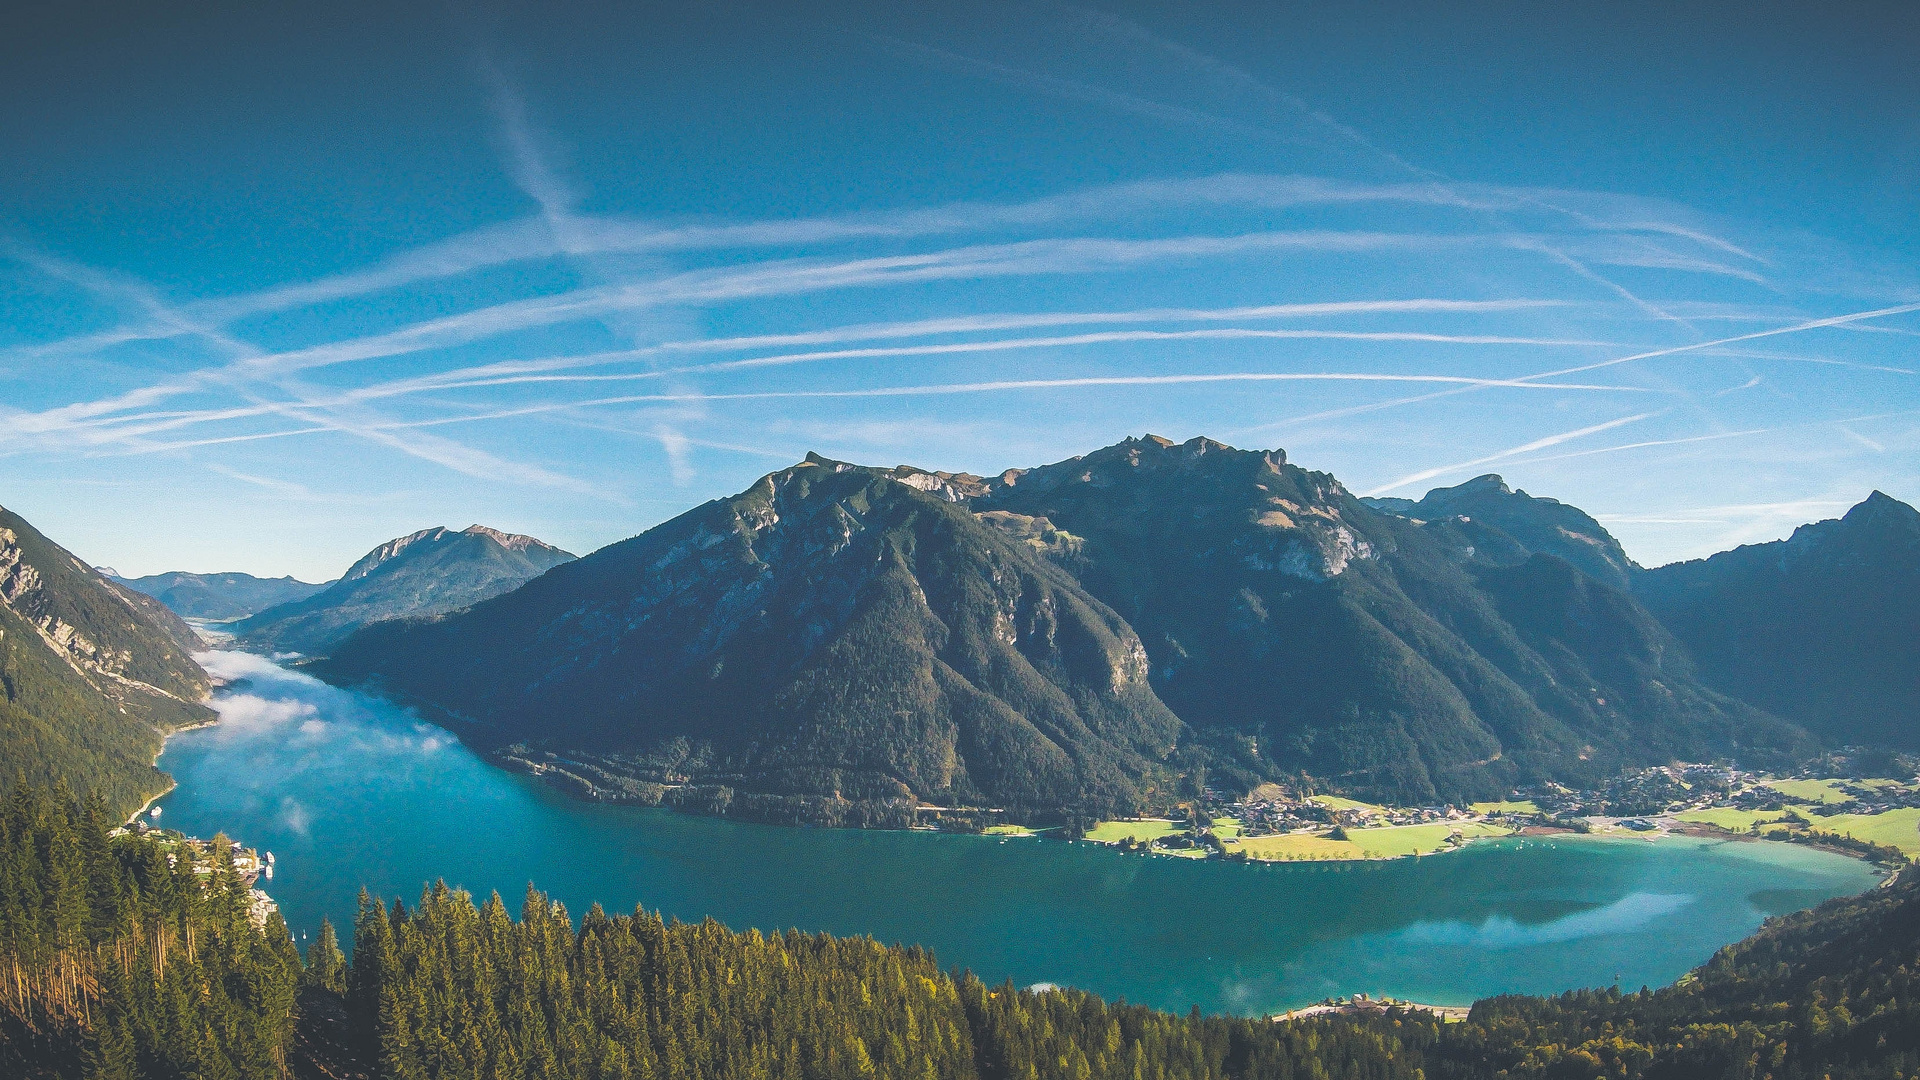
[{"x": 1537, "y": 444}]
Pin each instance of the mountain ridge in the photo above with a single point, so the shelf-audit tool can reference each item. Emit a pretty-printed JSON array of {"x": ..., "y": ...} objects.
[
  {"x": 423, "y": 573},
  {"x": 218, "y": 597},
  {"x": 1823, "y": 626}
]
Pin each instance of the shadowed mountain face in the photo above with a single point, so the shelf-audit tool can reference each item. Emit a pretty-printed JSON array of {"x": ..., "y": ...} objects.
[
  {"x": 1487, "y": 510},
  {"x": 832, "y": 633},
  {"x": 1822, "y": 628},
  {"x": 1029, "y": 640},
  {"x": 1301, "y": 630},
  {"x": 428, "y": 573},
  {"x": 92, "y": 673},
  {"x": 219, "y": 597}
]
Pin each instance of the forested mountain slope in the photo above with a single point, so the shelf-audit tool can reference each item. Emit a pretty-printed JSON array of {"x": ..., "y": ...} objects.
[
  {"x": 1298, "y": 628},
  {"x": 220, "y": 597},
  {"x": 426, "y": 573},
  {"x": 90, "y": 679},
  {"x": 1822, "y": 628},
  {"x": 832, "y": 635}
]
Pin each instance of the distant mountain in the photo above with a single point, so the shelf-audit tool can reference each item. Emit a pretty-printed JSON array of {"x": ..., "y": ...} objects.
[
  {"x": 428, "y": 573},
  {"x": 1547, "y": 526},
  {"x": 818, "y": 647},
  {"x": 218, "y": 597},
  {"x": 1822, "y": 628},
  {"x": 1301, "y": 630},
  {"x": 92, "y": 674}
]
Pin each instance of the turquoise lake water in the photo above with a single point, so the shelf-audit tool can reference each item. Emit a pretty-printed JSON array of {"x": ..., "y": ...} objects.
[{"x": 348, "y": 791}]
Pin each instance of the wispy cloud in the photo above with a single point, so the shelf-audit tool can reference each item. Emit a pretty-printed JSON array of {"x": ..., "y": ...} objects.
[{"x": 1511, "y": 452}]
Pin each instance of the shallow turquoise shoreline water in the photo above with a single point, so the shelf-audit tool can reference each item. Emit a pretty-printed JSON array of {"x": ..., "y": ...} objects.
[{"x": 348, "y": 791}]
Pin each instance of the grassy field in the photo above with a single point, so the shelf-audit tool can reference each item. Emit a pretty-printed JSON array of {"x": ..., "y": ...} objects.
[
  {"x": 1387, "y": 842},
  {"x": 1726, "y": 817},
  {"x": 1226, "y": 828},
  {"x": 1900, "y": 828},
  {"x": 1419, "y": 839},
  {"x": 1112, "y": 832},
  {"x": 1810, "y": 791},
  {"x": 1335, "y": 802},
  {"x": 1523, "y": 806}
]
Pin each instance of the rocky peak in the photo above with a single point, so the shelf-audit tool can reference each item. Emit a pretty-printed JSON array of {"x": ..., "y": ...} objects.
[
  {"x": 373, "y": 559},
  {"x": 1881, "y": 509},
  {"x": 510, "y": 541}
]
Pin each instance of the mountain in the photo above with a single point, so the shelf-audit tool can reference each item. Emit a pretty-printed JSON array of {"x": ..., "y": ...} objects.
[
  {"x": 821, "y": 646},
  {"x": 1822, "y": 628},
  {"x": 92, "y": 674},
  {"x": 427, "y": 573},
  {"x": 850, "y": 635},
  {"x": 1302, "y": 630},
  {"x": 1547, "y": 526},
  {"x": 219, "y": 597}
]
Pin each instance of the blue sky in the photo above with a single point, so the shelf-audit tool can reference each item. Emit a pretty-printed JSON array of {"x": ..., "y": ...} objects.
[{"x": 280, "y": 284}]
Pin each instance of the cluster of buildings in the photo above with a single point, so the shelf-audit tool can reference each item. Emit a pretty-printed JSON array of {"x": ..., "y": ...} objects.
[{"x": 251, "y": 864}]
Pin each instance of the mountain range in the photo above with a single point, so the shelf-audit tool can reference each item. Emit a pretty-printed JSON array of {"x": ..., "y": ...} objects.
[
  {"x": 1102, "y": 635},
  {"x": 93, "y": 674},
  {"x": 427, "y": 572},
  {"x": 1110, "y": 632},
  {"x": 218, "y": 597}
]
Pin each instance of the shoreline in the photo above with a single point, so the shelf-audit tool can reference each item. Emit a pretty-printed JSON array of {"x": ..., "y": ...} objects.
[
  {"x": 557, "y": 776},
  {"x": 158, "y": 754}
]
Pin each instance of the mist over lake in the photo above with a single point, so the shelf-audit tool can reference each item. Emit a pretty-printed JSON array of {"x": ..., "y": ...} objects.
[{"x": 349, "y": 791}]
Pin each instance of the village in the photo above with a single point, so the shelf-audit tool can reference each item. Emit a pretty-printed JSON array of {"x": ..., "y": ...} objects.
[
  {"x": 204, "y": 855},
  {"x": 1874, "y": 819}
]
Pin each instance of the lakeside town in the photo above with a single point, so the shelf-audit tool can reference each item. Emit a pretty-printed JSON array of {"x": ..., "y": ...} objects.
[
  {"x": 251, "y": 864},
  {"x": 1875, "y": 819}
]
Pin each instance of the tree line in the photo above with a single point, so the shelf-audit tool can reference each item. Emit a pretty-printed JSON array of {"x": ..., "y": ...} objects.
[{"x": 120, "y": 958}]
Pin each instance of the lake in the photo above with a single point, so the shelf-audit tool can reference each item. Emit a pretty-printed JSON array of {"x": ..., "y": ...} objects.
[{"x": 347, "y": 791}]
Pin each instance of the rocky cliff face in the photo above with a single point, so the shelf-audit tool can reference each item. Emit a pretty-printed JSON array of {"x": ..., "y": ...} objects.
[
  {"x": 90, "y": 678},
  {"x": 112, "y": 639},
  {"x": 834, "y": 633}
]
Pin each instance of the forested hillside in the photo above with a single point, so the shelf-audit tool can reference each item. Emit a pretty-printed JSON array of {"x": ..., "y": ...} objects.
[
  {"x": 91, "y": 674},
  {"x": 114, "y": 964},
  {"x": 123, "y": 958}
]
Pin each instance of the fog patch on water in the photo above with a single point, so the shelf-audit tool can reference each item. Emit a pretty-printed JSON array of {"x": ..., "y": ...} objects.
[
  {"x": 291, "y": 724},
  {"x": 1630, "y": 912}
]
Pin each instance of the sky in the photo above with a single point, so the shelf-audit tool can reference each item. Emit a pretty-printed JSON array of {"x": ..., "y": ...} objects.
[{"x": 279, "y": 282}]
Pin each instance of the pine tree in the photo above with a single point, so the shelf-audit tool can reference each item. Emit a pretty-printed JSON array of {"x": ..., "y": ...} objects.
[{"x": 326, "y": 965}]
